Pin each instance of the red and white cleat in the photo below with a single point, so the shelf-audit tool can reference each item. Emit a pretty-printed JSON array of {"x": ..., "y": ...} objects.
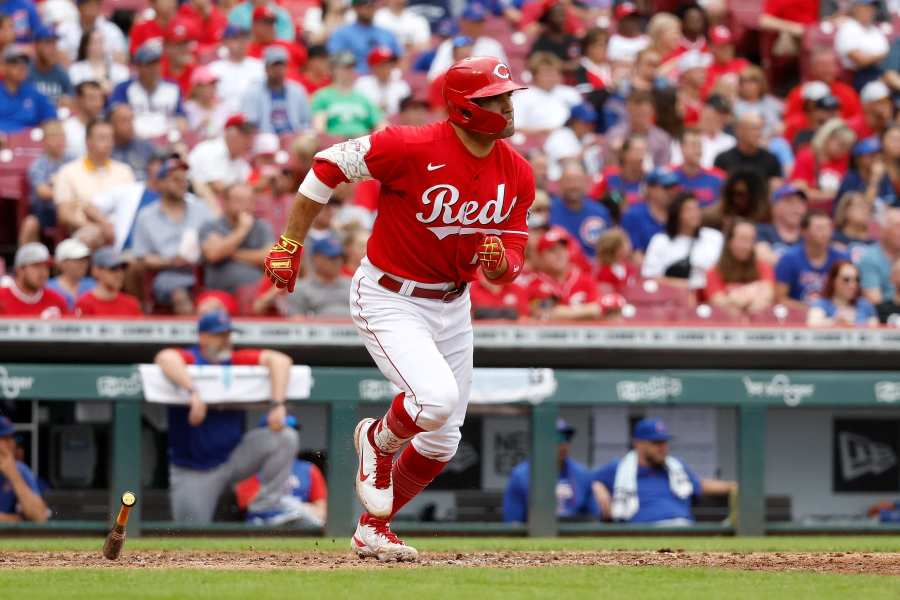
[
  {"x": 374, "y": 539},
  {"x": 373, "y": 481}
]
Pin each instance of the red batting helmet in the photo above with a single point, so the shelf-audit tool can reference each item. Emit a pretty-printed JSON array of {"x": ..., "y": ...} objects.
[{"x": 477, "y": 77}]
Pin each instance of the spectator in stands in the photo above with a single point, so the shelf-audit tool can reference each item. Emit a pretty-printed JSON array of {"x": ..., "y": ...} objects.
[
  {"x": 649, "y": 485},
  {"x": 643, "y": 220},
  {"x": 245, "y": 13},
  {"x": 593, "y": 75},
  {"x": 546, "y": 104},
  {"x": 360, "y": 37},
  {"x": 216, "y": 164},
  {"x": 93, "y": 64},
  {"x": 47, "y": 74},
  {"x": 754, "y": 96},
  {"x": 705, "y": 184},
  {"x": 21, "y": 104},
  {"x": 692, "y": 66},
  {"x": 823, "y": 68},
  {"x": 277, "y": 105},
  {"x": 236, "y": 72},
  {"x": 789, "y": 207},
  {"x": 823, "y": 109},
  {"x": 322, "y": 18},
  {"x": 263, "y": 38},
  {"x": 355, "y": 242},
  {"x": 156, "y": 102},
  {"x": 492, "y": 300},
  {"x": 842, "y": 302},
  {"x": 629, "y": 38},
  {"x": 127, "y": 147},
  {"x": 235, "y": 244},
  {"x": 740, "y": 283},
  {"x": 206, "y": 112},
  {"x": 471, "y": 24},
  {"x": 615, "y": 269},
  {"x": 338, "y": 109},
  {"x": 316, "y": 73},
  {"x": 106, "y": 299},
  {"x": 324, "y": 291},
  {"x": 820, "y": 167},
  {"x": 665, "y": 34},
  {"x": 639, "y": 120},
  {"x": 20, "y": 495},
  {"x": 788, "y": 20},
  {"x": 79, "y": 182},
  {"x": 889, "y": 309},
  {"x": 161, "y": 18},
  {"x": 575, "y": 141},
  {"x": 877, "y": 110},
  {"x": 88, "y": 106},
  {"x": 384, "y": 85},
  {"x": 207, "y": 448},
  {"x": 868, "y": 175},
  {"x": 625, "y": 178},
  {"x": 205, "y": 18},
  {"x": 744, "y": 195},
  {"x": 559, "y": 289},
  {"x": 72, "y": 259},
  {"x": 875, "y": 263},
  {"x": 860, "y": 42},
  {"x": 714, "y": 115},
  {"x": 41, "y": 177},
  {"x": 852, "y": 224},
  {"x": 574, "y": 211},
  {"x": 724, "y": 62},
  {"x": 178, "y": 63},
  {"x": 28, "y": 294},
  {"x": 166, "y": 237},
  {"x": 7, "y": 32},
  {"x": 555, "y": 38},
  {"x": 748, "y": 153},
  {"x": 409, "y": 27},
  {"x": 25, "y": 18},
  {"x": 90, "y": 17},
  {"x": 683, "y": 253},
  {"x": 802, "y": 270},
  {"x": 574, "y": 499}
]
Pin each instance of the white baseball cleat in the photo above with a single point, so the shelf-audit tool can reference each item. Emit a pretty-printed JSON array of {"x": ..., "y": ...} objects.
[
  {"x": 373, "y": 481},
  {"x": 378, "y": 541}
]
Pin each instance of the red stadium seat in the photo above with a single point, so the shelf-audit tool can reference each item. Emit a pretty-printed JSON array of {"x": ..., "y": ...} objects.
[
  {"x": 780, "y": 315},
  {"x": 704, "y": 314},
  {"x": 655, "y": 294}
]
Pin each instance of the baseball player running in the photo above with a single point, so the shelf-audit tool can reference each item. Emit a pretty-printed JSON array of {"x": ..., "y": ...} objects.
[{"x": 454, "y": 197}]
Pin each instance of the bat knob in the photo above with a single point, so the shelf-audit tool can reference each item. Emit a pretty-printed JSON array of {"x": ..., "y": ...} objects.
[{"x": 128, "y": 499}]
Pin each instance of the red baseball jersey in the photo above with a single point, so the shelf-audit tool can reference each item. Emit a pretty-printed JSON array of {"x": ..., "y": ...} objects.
[
  {"x": 123, "y": 305},
  {"x": 46, "y": 304},
  {"x": 437, "y": 200},
  {"x": 575, "y": 289}
]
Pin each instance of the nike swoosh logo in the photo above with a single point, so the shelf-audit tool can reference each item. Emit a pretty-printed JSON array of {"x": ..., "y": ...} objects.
[
  {"x": 432, "y": 167},
  {"x": 362, "y": 474}
]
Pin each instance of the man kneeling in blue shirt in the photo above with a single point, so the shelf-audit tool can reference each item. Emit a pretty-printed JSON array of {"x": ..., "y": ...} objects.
[
  {"x": 573, "y": 489},
  {"x": 650, "y": 486},
  {"x": 20, "y": 496}
]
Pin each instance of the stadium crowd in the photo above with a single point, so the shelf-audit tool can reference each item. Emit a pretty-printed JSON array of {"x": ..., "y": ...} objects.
[{"x": 735, "y": 162}]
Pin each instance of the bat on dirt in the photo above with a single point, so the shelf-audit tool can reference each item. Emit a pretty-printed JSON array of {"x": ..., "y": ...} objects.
[{"x": 112, "y": 547}]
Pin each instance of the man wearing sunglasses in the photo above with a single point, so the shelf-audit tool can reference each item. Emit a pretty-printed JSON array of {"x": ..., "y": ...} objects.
[{"x": 107, "y": 298}]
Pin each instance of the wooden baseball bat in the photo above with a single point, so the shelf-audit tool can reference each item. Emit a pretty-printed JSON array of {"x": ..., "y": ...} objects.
[{"x": 112, "y": 547}]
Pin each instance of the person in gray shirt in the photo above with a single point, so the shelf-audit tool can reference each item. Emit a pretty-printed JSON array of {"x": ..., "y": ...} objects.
[
  {"x": 325, "y": 291},
  {"x": 166, "y": 237},
  {"x": 235, "y": 245}
]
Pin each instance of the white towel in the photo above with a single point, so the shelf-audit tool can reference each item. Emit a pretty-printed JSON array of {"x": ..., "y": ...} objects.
[{"x": 625, "y": 503}]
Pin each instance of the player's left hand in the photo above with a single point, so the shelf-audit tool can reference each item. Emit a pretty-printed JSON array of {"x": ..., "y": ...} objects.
[
  {"x": 277, "y": 415},
  {"x": 491, "y": 254},
  {"x": 283, "y": 263}
]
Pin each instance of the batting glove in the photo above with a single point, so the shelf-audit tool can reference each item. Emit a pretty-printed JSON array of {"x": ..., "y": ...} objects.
[
  {"x": 283, "y": 263},
  {"x": 491, "y": 253}
]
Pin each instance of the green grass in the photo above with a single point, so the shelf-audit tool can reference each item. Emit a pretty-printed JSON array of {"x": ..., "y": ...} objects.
[
  {"x": 474, "y": 544},
  {"x": 485, "y": 584}
]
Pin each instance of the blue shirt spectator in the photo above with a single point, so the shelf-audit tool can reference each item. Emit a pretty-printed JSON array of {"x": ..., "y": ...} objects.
[
  {"x": 640, "y": 225},
  {"x": 24, "y": 16},
  {"x": 21, "y": 104},
  {"x": 20, "y": 494},
  {"x": 801, "y": 277},
  {"x": 360, "y": 37},
  {"x": 865, "y": 312},
  {"x": 876, "y": 261},
  {"x": 156, "y": 102},
  {"x": 572, "y": 210},
  {"x": 706, "y": 184},
  {"x": 47, "y": 74},
  {"x": 242, "y": 16}
]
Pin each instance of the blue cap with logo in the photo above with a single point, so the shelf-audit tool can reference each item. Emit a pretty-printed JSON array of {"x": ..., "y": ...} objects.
[
  {"x": 327, "y": 246},
  {"x": 584, "y": 112},
  {"x": 215, "y": 321},
  {"x": 662, "y": 177},
  {"x": 651, "y": 430},
  {"x": 6, "y": 427}
]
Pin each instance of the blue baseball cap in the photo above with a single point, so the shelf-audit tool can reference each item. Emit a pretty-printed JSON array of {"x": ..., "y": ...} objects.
[
  {"x": 149, "y": 52},
  {"x": 233, "y": 31},
  {"x": 462, "y": 40},
  {"x": 6, "y": 427},
  {"x": 584, "y": 112},
  {"x": 447, "y": 28},
  {"x": 786, "y": 191},
  {"x": 215, "y": 321},
  {"x": 327, "y": 246},
  {"x": 662, "y": 177},
  {"x": 869, "y": 145},
  {"x": 289, "y": 421},
  {"x": 651, "y": 430},
  {"x": 474, "y": 12},
  {"x": 44, "y": 33},
  {"x": 565, "y": 431},
  {"x": 172, "y": 163}
]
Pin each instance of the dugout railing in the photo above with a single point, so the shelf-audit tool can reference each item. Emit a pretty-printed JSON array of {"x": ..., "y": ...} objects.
[{"x": 750, "y": 393}]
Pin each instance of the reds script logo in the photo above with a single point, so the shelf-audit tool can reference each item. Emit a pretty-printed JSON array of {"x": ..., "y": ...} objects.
[{"x": 444, "y": 198}]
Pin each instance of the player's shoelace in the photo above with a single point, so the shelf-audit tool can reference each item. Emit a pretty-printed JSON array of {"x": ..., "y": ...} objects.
[
  {"x": 383, "y": 465},
  {"x": 383, "y": 529}
]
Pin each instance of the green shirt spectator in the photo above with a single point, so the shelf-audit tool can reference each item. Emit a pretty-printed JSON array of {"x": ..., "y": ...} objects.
[{"x": 338, "y": 109}]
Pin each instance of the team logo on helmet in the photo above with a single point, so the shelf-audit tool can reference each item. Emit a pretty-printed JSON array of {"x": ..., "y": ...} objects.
[{"x": 501, "y": 71}]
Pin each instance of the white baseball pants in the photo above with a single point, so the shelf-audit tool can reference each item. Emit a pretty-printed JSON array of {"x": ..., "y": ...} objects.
[{"x": 424, "y": 347}]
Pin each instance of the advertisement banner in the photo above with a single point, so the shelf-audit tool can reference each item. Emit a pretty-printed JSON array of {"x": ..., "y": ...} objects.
[{"x": 865, "y": 455}]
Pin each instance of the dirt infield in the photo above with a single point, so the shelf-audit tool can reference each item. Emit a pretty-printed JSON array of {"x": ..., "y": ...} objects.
[{"x": 834, "y": 562}]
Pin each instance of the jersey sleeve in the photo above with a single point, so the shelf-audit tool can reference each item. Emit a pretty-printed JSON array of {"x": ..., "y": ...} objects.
[
  {"x": 516, "y": 230},
  {"x": 318, "y": 490},
  {"x": 246, "y": 356},
  {"x": 186, "y": 356}
]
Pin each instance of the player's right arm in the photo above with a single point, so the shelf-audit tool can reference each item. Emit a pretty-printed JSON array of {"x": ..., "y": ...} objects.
[{"x": 173, "y": 365}]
